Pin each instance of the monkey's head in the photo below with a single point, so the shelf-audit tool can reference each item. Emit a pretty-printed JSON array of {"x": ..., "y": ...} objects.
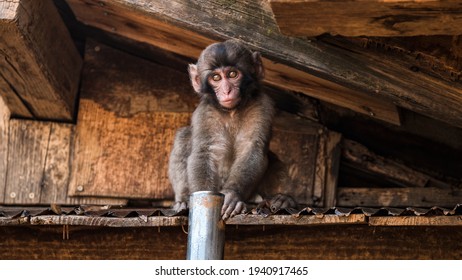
[{"x": 228, "y": 73}]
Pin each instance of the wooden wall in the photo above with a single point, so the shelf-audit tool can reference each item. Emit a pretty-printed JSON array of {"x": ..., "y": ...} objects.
[{"x": 243, "y": 242}]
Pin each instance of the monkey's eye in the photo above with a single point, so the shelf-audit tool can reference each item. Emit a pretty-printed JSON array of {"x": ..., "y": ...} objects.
[
  {"x": 232, "y": 74},
  {"x": 216, "y": 77}
]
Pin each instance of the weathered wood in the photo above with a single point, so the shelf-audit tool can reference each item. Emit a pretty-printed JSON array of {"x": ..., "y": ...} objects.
[
  {"x": 303, "y": 137},
  {"x": 39, "y": 61},
  {"x": 416, "y": 221},
  {"x": 128, "y": 114},
  {"x": 359, "y": 156},
  {"x": 327, "y": 166},
  {"x": 349, "y": 242},
  {"x": 369, "y": 18},
  {"x": 38, "y": 165},
  {"x": 297, "y": 221},
  {"x": 398, "y": 197},
  {"x": 55, "y": 176},
  {"x": 28, "y": 141},
  {"x": 183, "y": 221},
  {"x": 312, "y": 161},
  {"x": 333, "y": 152},
  {"x": 4, "y": 124},
  {"x": 12, "y": 100},
  {"x": 110, "y": 222},
  {"x": 152, "y": 23}
]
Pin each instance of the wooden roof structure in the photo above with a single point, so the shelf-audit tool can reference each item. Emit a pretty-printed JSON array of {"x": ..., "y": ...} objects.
[
  {"x": 369, "y": 100},
  {"x": 388, "y": 94}
]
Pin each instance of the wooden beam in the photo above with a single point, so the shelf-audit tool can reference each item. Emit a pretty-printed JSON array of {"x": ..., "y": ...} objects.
[
  {"x": 40, "y": 65},
  {"x": 328, "y": 242},
  {"x": 398, "y": 197},
  {"x": 416, "y": 221},
  {"x": 368, "y": 18},
  {"x": 142, "y": 21},
  {"x": 183, "y": 221}
]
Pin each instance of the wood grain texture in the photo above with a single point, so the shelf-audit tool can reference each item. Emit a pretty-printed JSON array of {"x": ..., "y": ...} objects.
[
  {"x": 129, "y": 111},
  {"x": 398, "y": 197},
  {"x": 162, "y": 221},
  {"x": 38, "y": 167},
  {"x": 40, "y": 63},
  {"x": 355, "y": 242},
  {"x": 27, "y": 152},
  {"x": 333, "y": 151},
  {"x": 12, "y": 100},
  {"x": 368, "y": 18},
  {"x": 300, "y": 159},
  {"x": 416, "y": 221},
  {"x": 145, "y": 22},
  {"x": 4, "y": 133}
]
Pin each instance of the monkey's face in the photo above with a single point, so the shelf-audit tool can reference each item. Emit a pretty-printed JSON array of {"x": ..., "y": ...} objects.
[
  {"x": 225, "y": 82},
  {"x": 227, "y": 73}
]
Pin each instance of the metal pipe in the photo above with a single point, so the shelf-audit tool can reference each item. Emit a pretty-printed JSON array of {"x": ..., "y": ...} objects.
[{"x": 206, "y": 234}]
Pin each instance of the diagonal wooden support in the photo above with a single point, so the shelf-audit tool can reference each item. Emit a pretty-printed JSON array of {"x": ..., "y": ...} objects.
[{"x": 39, "y": 64}]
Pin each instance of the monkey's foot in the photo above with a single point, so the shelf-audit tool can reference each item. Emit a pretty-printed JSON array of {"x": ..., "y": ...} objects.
[
  {"x": 281, "y": 201},
  {"x": 180, "y": 206},
  {"x": 233, "y": 205}
]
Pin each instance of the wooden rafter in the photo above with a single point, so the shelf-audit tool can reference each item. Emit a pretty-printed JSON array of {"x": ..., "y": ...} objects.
[{"x": 369, "y": 18}]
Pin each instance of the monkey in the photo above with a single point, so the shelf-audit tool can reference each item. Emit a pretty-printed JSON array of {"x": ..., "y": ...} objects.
[{"x": 226, "y": 147}]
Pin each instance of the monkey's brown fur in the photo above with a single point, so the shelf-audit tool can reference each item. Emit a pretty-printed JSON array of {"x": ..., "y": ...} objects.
[{"x": 226, "y": 147}]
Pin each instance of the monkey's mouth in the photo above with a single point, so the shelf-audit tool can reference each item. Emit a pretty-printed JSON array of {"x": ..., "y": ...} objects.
[{"x": 229, "y": 103}]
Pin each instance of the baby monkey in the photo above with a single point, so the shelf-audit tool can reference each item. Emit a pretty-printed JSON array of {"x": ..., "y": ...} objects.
[{"x": 225, "y": 149}]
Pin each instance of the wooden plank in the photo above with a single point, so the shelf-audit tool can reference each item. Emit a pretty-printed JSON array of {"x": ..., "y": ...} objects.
[
  {"x": 40, "y": 63},
  {"x": 109, "y": 221},
  {"x": 368, "y": 18},
  {"x": 296, "y": 221},
  {"x": 125, "y": 128},
  {"x": 312, "y": 161},
  {"x": 289, "y": 78},
  {"x": 28, "y": 141},
  {"x": 38, "y": 165},
  {"x": 183, "y": 221},
  {"x": 329, "y": 242},
  {"x": 333, "y": 163},
  {"x": 4, "y": 124},
  {"x": 398, "y": 197},
  {"x": 416, "y": 221},
  {"x": 56, "y": 172},
  {"x": 140, "y": 21},
  {"x": 55, "y": 176},
  {"x": 327, "y": 166},
  {"x": 302, "y": 136}
]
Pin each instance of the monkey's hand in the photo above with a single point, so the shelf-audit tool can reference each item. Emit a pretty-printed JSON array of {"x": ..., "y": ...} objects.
[
  {"x": 232, "y": 205},
  {"x": 180, "y": 206},
  {"x": 281, "y": 201}
]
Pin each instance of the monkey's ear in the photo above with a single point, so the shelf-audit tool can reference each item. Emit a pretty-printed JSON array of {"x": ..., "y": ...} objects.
[
  {"x": 194, "y": 76},
  {"x": 259, "y": 70}
]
